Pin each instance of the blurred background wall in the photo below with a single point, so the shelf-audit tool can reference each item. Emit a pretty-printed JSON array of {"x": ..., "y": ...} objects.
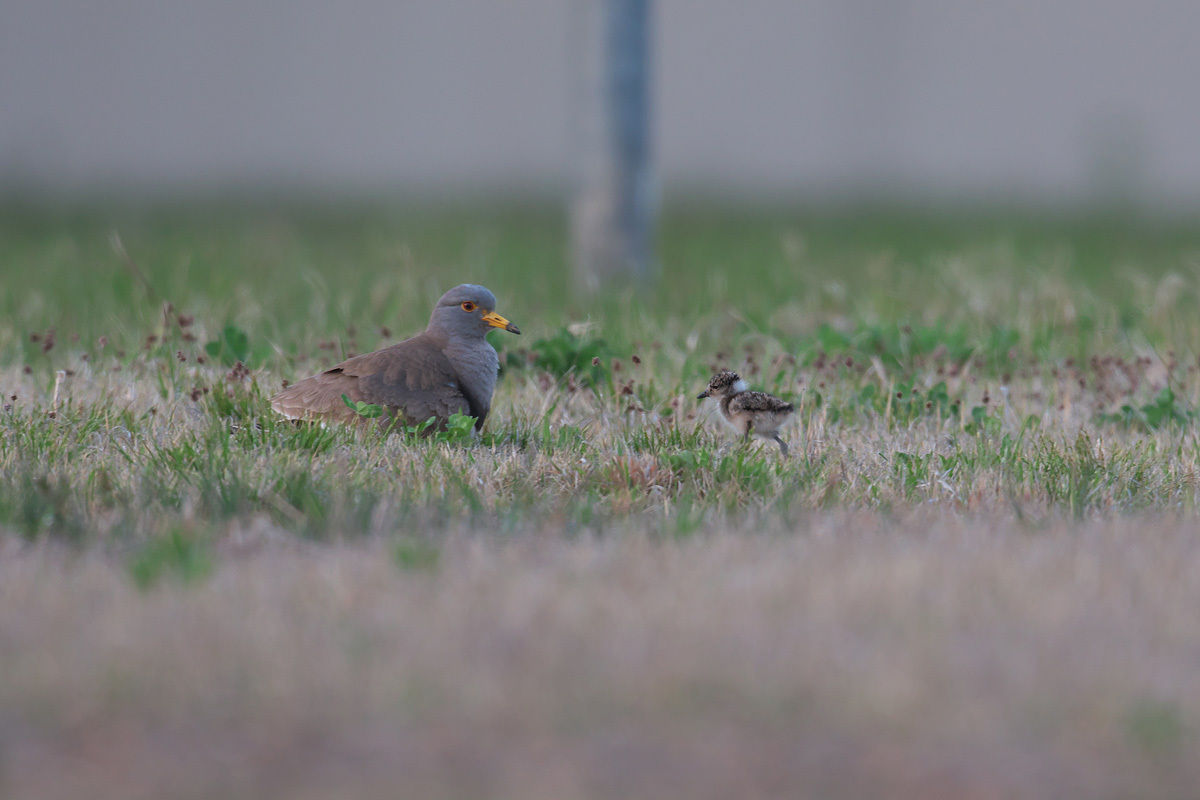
[{"x": 1047, "y": 101}]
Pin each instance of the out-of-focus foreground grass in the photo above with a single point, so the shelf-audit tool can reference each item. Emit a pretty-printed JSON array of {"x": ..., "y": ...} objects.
[{"x": 973, "y": 577}]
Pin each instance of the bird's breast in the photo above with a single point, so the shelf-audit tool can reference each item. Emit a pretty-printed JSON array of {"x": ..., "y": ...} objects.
[{"x": 477, "y": 366}]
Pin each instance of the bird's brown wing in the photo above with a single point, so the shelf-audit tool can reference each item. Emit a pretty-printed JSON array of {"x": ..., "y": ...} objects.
[
  {"x": 319, "y": 397},
  {"x": 759, "y": 402},
  {"x": 413, "y": 379}
]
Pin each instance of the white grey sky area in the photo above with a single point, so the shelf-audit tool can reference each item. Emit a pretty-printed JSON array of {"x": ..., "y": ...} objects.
[{"x": 1048, "y": 100}]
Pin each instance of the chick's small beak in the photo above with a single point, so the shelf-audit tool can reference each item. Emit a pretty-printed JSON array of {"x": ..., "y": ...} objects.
[
  {"x": 497, "y": 321},
  {"x": 702, "y": 395}
]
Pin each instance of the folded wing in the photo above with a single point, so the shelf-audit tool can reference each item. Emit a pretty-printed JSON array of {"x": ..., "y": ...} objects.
[{"x": 413, "y": 380}]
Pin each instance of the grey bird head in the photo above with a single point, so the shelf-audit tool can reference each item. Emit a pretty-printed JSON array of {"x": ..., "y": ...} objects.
[
  {"x": 468, "y": 311},
  {"x": 722, "y": 384}
]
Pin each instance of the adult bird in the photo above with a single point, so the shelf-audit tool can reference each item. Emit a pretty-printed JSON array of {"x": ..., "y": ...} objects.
[{"x": 448, "y": 368}]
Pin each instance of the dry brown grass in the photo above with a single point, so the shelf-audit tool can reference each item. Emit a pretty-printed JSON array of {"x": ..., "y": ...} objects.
[{"x": 930, "y": 655}]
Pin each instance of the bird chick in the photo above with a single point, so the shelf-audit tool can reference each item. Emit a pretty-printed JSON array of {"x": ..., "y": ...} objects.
[{"x": 756, "y": 413}]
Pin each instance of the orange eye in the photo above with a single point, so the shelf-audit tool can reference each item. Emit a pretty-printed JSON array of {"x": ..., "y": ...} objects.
[{"x": 468, "y": 306}]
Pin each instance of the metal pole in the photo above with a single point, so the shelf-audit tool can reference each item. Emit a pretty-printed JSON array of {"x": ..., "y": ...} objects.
[{"x": 613, "y": 211}]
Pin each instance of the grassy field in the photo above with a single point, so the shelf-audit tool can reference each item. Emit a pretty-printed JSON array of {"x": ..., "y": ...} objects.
[{"x": 975, "y": 575}]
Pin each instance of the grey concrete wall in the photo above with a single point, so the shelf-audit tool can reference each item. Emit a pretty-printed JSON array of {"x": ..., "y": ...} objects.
[{"x": 1044, "y": 99}]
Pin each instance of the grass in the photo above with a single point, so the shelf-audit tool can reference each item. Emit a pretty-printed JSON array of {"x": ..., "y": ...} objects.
[{"x": 973, "y": 575}]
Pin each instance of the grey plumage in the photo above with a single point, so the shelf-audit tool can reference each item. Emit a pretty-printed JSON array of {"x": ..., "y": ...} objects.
[
  {"x": 446, "y": 369},
  {"x": 750, "y": 413}
]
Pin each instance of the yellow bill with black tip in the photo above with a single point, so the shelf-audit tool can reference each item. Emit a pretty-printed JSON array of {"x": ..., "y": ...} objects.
[{"x": 497, "y": 321}]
